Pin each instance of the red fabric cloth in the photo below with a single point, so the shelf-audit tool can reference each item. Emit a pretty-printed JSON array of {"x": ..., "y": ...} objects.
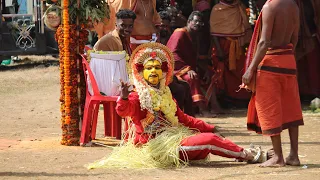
[
  {"x": 275, "y": 106},
  {"x": 229, "y": 80},
  {"x": 139, "y": 37},
  {"x": 309, "y": 72},
  {"x": 131, "y": 108},
  {"x": 202, "y": 5},
  {"x": 192, "y": 148},
  {"x": 201, "y": 145},
  {"x": 180, "y": 43},
  {"x": 185, "y": 58},
  {"x": 194, "y": 84}
]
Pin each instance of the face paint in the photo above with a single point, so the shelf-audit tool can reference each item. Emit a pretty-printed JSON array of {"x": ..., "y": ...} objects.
[{"x": 152, "y": 72}]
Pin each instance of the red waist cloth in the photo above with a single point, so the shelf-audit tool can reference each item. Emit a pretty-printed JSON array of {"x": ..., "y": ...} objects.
[
  {"x": 275, "y": 105},
  {"x": 139, "y": 37}
]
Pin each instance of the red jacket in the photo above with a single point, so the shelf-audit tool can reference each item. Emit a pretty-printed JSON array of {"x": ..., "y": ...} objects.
[{"x": 132, "y": 109}]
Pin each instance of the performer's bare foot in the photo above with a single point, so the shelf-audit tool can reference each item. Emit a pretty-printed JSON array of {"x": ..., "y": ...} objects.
[
  {"x": 293, "y": 161},
  {"x": 275, "y": 161}
]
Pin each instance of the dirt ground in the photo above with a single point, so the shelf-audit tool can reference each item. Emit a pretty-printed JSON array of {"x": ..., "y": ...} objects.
[{"x": 30, "y": 135}]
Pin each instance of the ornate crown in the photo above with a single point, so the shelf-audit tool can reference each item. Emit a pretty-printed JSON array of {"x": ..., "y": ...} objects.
[{"x": 148, "y": 51}]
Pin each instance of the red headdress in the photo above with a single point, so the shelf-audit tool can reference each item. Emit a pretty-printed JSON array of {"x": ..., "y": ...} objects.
[{"x": 152, "y": 51}]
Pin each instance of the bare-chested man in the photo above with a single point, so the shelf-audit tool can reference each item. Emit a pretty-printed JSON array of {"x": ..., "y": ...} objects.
[
  {"x": 276, "y": 98},
  {"x": 144, "y": 26}
]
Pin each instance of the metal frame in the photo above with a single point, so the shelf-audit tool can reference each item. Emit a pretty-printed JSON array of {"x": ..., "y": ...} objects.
[{"x": 29, "y": 38}]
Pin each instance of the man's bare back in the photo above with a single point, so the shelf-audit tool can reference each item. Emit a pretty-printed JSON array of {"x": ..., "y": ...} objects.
[
  {"x": 144, "y": 24},
  {"x": 285, "y": 25}
]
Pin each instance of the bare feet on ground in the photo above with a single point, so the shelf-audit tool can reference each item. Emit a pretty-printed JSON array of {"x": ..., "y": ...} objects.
[
  {"x": 275, "y": 161},
  {"x": 293, "y": 161}
]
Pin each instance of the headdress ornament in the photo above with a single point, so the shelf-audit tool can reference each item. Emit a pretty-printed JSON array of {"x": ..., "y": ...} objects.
[{"x": 152, "y": 51}]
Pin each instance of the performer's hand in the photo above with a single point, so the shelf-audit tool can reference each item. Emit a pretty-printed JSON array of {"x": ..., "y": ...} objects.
[
  {"x": 246, "y": 78},
  {"x": 124, "y": 89},
  {"x": 192, "y": 74}
]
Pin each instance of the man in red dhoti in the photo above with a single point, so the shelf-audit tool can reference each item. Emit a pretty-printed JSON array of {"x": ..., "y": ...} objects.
[
  {"x": 156, "y": 116},
  {"x": 179, "y": 89},
  {"x": 271, "y": 75},
  {"x": 230, "y": 31},
  {"x": 183, "y": 44}
]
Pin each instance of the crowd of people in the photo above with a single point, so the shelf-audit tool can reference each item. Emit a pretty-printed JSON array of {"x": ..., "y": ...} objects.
[
  {"x": 210, "y": 53},
  {"x": 208, "y": 46}
]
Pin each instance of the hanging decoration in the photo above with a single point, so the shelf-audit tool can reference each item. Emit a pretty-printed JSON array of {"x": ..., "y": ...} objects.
[{"x": 71, "y": 36}]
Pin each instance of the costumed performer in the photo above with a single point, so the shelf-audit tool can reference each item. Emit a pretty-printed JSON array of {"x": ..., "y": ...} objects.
[{"x": 164, "y": 136}]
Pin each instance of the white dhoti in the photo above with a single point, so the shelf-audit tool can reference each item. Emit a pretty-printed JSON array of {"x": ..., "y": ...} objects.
[{"x": 108, "y": 69}]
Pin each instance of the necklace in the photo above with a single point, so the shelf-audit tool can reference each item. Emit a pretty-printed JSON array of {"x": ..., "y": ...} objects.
[{"x": 145, "y": 11}]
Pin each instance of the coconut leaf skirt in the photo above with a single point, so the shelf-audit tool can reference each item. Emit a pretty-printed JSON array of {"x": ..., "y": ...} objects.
[{"x": 160, "y": 152}]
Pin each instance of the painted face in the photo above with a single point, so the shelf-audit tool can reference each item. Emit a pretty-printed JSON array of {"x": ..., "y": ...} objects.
[
  {"x": 124, "y": 27},
  {"x": 152, "y": 72}
]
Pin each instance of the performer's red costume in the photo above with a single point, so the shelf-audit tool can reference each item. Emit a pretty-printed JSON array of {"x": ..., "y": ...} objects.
[
  {"x": 163, "y": 136},
  {"x": 197, "y": 147}
]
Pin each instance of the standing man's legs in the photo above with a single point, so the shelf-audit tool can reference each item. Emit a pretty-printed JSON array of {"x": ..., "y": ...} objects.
[
  {"x": 270, "y": 112},
  {"x": 293, "y": 158},
  {"x": 277, "y": 158}
]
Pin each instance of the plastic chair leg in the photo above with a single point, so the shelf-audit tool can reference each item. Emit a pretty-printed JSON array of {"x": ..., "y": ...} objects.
[
  {"x": 116, "y": 121},
  {"x": 86, "y": 123},
  {"x": 94, "y": 120},
  {"x": 107, "y": 117}
]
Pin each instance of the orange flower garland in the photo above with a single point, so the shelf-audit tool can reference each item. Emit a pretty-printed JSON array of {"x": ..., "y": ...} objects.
[
  {"x": 68, "y": 40},
  {"x": 66, "y": 43}
]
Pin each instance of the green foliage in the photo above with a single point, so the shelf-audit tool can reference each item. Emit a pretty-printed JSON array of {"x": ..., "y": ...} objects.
[{"x": 94, "y": 10}]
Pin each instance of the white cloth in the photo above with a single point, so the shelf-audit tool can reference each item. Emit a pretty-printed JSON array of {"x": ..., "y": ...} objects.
[
  {"x": 8, "y": 3},
  {"x": 136, "y": 41},
  {"x": 108, "y": 69}
]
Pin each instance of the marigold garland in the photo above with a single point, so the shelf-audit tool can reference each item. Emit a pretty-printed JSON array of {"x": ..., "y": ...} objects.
[
  {"x": 66, "y": 43},
  {"x": 68, "y": 40}
]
